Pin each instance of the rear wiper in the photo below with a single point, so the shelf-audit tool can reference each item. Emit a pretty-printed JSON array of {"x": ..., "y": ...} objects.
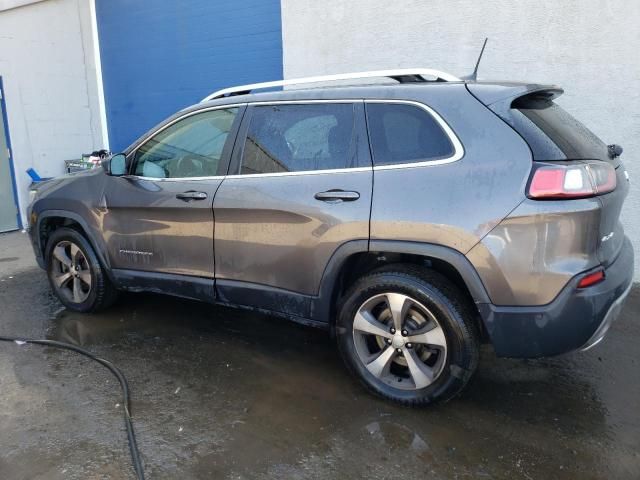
[{"x": 615, "y": 150}]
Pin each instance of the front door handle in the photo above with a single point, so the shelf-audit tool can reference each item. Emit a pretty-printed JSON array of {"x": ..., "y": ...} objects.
[
  {"x": 334, "y": 196},
  {"x": 191, "y": 195}
]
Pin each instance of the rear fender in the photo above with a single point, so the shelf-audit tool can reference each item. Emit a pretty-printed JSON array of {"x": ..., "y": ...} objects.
[{"x": 322, "y": 305}]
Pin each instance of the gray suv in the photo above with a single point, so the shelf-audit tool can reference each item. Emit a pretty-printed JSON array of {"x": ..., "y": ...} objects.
[{"x": 414, "y": 219}]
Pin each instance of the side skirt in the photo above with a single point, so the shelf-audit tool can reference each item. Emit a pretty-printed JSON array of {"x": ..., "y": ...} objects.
[
  {"x": 247, "y": 296},
  {"x": 184, "y": 286},
  {"x": 293, "y": 318},
  {"x": 264, "y": 298}
]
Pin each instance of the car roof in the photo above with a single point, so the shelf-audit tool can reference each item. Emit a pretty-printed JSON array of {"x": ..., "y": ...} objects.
[
  {"x": 486, "y": 91},
  {"x": 491, "y": 91}
]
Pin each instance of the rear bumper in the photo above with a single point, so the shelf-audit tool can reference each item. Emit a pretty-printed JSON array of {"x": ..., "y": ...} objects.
[
  {"x": 575, "y": 319},
  {"x": 612, "y": 314}
]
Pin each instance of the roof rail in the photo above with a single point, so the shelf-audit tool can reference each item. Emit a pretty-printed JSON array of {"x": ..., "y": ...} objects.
[{"x": 401, "y": 75}]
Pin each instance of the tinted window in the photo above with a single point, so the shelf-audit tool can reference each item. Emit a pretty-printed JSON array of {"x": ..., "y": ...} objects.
[
  {"x": 191, "y": 147},
  {"x": 553, "y": 134},
  {"x": 404, "y": 134},
  {"x": 298, "y": 138}
]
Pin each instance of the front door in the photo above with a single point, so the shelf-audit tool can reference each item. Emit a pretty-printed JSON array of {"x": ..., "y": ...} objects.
[
  {"x": 299, "y": 187},
  {"x": 8, "y": 206},
  {"x": 159, "y": 218}
]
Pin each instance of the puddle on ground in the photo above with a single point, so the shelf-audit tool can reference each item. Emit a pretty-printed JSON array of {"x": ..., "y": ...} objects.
[
  {"x": 225, "y": 393},
  {"x": 243, "y": 394}
]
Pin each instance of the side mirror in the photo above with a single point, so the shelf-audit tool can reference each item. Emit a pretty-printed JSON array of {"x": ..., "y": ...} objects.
[{"x": 115, "y": 166}]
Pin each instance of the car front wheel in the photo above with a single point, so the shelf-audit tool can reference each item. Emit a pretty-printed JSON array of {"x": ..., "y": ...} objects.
[{"x": 75, "y": 274}]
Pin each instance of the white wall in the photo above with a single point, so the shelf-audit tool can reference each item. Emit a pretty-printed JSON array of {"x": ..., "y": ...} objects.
[
  {"x": 589, "y": 47},
  {"x": 47, "y": 66}
]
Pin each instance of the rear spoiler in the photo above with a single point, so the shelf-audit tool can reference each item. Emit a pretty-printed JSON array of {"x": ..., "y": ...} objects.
[{"x": 492, "y": 93}]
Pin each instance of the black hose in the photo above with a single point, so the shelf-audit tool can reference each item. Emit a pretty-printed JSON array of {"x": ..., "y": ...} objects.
[{"x": 133, "y": 445}]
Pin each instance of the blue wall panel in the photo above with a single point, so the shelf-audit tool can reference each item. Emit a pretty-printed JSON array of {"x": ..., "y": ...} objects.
[{"x": 159, "y": 56}]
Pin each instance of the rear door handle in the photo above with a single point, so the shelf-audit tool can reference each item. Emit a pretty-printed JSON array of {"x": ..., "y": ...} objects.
[
  {"x": 191, "y": 195},
  {"x": 334, "y": 196}
]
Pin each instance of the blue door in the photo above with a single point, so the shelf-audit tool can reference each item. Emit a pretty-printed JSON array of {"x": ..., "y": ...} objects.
[{"x": 159, "y": 56}]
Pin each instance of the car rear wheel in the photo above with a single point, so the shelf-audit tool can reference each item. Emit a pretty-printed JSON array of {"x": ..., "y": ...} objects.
[
  {"x": 75, "y": 274},
  {"x": 409, "y": 335}
]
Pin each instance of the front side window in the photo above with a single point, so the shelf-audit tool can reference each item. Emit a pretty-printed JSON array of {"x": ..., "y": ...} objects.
[
  {"x": 299, "y": 138},
  {"x": 401, "y": 133},
  {"x": 191, "y": 147}
]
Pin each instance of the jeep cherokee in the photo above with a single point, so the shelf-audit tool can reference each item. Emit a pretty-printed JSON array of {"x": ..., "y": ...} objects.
[{"x": 414, "y": 219}]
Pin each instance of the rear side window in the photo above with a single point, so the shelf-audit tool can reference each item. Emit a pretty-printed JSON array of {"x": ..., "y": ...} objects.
[
  {"x": 401, "y": 133},
  {"x": 299, "y": 138}
]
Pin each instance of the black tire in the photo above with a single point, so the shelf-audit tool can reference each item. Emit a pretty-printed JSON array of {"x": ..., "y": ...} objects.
[
  {"x": 453, "y": 312},
  {"x": 100, "y": 293}
]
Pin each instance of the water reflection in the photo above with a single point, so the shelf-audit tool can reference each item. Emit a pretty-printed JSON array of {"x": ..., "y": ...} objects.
[{"x": 266, "y": 397}]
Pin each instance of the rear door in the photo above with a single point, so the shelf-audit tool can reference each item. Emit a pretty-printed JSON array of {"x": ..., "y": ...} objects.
[
  {"x": 159, "y": 218},
  {"x": 299, "y": 187}
]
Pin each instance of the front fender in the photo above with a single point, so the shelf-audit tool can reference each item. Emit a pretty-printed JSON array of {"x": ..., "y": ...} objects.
[{"x": 96, "y": 243}]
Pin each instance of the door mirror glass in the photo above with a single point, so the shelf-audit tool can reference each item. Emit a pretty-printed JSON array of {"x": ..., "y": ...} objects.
[{"x": 117, "y": 165}]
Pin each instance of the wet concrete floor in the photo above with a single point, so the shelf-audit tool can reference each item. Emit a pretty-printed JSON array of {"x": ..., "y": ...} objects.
[{"x": 222, "y": 393}]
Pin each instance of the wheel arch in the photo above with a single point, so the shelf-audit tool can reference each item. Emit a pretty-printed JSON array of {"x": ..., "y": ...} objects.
[
  {"x": 356, "y": 258},
  {"x": 50, "y": 220}
]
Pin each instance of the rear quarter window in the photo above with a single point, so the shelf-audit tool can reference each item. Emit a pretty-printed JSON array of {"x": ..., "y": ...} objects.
[{"x": 403, "y": 133}]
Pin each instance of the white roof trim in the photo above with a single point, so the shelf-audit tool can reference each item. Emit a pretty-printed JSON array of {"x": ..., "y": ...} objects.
[{"x": 422, "y": 72}]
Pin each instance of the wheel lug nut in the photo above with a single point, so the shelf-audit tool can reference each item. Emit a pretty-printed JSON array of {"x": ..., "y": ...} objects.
[
  {"x": 404, "y": 333},
  {"x": 393, "y": 330},
  {"x": 399, "y": 350},
  {"x": 388, "y": 341},
  {"x": 408, "y": 345}
]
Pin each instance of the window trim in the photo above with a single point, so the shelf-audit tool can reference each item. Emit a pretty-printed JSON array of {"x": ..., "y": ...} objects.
[
  {"x": 243, "y": 137},
  {"x": 234, "y": 131},
  {"x": 458, "y": 149}
]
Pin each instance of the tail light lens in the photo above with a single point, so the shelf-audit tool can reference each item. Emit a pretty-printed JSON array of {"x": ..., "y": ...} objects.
[
  {"x": 572, "y": 181},
  {"x": 591, "y": 279}
]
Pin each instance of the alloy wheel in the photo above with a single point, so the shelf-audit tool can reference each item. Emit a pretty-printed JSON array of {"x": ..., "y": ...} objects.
[
  {"x": 70, "y": 272},
  {"x": 399, "y": 341}
]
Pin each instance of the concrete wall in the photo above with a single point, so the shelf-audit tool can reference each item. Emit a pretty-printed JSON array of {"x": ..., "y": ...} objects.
[
  {"x": 589, "y": 47},
  {"x": 47, "y": 65}
]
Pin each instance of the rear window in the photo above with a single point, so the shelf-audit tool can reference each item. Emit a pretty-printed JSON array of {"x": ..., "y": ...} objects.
[
  {"x": 553, "y": 133},
  {"x": 402, "y": 133}
]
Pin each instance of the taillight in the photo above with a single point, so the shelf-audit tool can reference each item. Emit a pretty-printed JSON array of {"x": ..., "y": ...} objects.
[
  {"x": 572, "y": 181},
  {"x": 591, "y": 279}
]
